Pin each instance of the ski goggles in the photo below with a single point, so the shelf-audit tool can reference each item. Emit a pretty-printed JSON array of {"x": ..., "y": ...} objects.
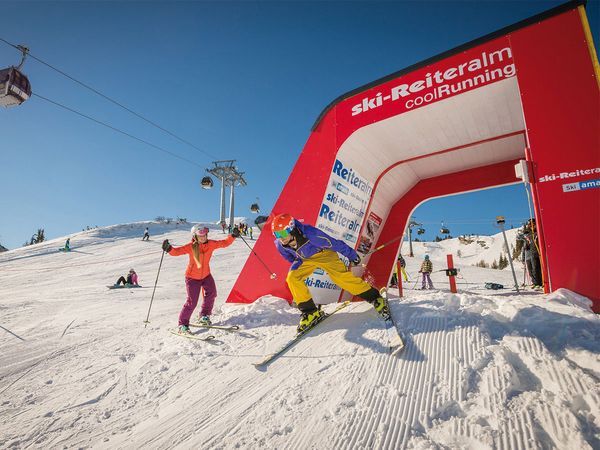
[
  {"x": 281, "y": 234},
  {"x": 201, "y": 232}
]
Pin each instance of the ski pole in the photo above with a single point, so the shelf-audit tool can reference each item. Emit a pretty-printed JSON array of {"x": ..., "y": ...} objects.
[
  {"x": 416, "y": 281},
  {"x": 154, "y": 290},
  {"x": 382, "y": 246},
  {"x": 272, "y": 274},
  {"x": 379, "y": 248}
]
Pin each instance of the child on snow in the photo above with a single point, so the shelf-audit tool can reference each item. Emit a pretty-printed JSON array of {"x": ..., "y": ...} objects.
[
  {"x": 309, "y": 248},
  {"x": 426, "y": 269},
  {"x": 197, "y": 274}
]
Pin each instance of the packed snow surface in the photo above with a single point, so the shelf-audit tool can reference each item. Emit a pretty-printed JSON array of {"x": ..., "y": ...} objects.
[{"x": 482, "y": 369}]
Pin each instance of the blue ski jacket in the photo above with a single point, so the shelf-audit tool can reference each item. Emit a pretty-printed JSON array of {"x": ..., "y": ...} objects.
[{"x": 316, "y": 241}]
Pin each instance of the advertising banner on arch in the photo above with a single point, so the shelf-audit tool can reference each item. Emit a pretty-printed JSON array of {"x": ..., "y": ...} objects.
[
  {"x": 465, "y": 71},
  {"x": 341, "y": 215}
]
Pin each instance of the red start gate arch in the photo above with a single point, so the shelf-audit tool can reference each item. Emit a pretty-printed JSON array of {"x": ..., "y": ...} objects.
[{"x": 526, "y": 95}]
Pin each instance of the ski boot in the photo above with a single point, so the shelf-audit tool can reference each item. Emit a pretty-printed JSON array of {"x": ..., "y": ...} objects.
[
  {"x": 381, "y": 307},
  {"x": 311, "y": 314},
  {"x": 205, "y": 321},
  {"x": 309, "y": 319},
  {"x": 184, "y": 329},
  {"x": 374, "y": 297}
]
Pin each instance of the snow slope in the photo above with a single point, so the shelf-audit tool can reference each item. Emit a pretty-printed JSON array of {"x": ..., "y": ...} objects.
[{"x": 482, "y": 369}]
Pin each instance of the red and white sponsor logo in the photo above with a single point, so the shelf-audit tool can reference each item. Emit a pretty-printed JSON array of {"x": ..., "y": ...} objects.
[{"x": 432, "y": 84}]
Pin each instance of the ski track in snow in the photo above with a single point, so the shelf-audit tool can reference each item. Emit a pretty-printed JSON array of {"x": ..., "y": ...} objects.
[{"x": 78, "y": 369}]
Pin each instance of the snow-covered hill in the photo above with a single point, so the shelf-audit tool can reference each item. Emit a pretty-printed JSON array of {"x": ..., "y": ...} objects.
[{"x": 482, "y": 369}]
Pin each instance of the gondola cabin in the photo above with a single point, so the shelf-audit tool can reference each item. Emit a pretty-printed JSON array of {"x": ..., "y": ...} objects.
[
  {"x": 206, "y": 183},
  {"x": 14, "y": 87}
]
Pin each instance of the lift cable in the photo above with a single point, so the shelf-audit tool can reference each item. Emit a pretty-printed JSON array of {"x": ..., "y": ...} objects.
[
  {"x": 473, "y": 221},
  {"x": 117, "y": 130},
  {"x": 113, "y": 101}
]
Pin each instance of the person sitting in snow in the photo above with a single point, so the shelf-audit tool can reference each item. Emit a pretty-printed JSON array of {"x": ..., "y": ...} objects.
[
  {"x": 309, "y": 248},
  {"x": 197, "y": 274},
  {"x": 131, "y": 280},
  {"x": 67, "y": 247},
  {"x": 426, "y": 269}
]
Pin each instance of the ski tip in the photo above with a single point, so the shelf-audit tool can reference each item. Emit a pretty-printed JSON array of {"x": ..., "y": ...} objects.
[{"x": 261, "y": 367}]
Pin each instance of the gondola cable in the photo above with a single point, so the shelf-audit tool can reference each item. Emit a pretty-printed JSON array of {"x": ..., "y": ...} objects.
[
  {"x": 18, "y": 47},
  {"x": 116, "y": 129}
]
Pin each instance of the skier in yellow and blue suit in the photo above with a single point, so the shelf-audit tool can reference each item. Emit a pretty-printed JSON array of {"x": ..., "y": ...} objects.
[{"x": 309, "y": 248}]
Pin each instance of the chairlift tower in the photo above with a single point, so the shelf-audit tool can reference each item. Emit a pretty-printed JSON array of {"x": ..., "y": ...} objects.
[
  {"x": 227, "y": 172},
  {"x": 412, "y": 223}
]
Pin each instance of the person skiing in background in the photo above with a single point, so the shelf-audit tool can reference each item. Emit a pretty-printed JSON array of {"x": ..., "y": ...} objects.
[
  {"x": 197, "y": 274},
  {"x": 309, "y": 248},
  {"x": 67, "y": 247},
  {"x": 402, "y": 267},
  {"x": 426, "y": 269},
  {"x": 250, "y": 232},
  {"x": 531, "y": 254},
  {"x": 146, "y": 235},
  {"x": 131, "y": 280},
  {"x": 402, "y": 263}
]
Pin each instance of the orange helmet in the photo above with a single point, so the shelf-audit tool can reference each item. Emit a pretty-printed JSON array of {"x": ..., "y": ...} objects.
[{"x": 282, "y": 225}]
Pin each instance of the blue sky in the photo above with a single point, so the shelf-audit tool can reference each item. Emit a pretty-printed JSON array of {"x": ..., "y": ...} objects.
[{"x": 240, "y": 80}]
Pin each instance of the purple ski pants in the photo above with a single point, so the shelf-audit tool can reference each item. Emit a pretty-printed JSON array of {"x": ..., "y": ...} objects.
[
  {"x": 426, "y": 279},
  {"x": 193, "y": 288}
]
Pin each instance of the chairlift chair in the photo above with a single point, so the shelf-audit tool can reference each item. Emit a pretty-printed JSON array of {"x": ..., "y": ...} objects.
[
  {"x": 444, "y": 230},
  {"x": 254, "y": 208},
  {"x": 207, "y": 183},
  {"x": 421, "y": 231}
]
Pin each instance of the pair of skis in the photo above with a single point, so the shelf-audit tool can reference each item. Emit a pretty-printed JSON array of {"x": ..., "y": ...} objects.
[
  {"x": 197, "y": 337},
  {"x": 396, "y": 342}
]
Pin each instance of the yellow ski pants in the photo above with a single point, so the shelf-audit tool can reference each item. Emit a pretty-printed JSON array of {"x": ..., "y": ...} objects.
[{"x": 329, "y": 261}]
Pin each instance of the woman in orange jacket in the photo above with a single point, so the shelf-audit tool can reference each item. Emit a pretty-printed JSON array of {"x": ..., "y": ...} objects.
[{"x": 197, "y": 274}]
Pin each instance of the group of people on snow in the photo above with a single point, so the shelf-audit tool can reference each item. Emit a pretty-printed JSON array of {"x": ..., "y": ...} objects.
[
  {"x": 425, "y": 270},
  {"x": 304, "y": 246},
  {"x": 307, "y": 248}
]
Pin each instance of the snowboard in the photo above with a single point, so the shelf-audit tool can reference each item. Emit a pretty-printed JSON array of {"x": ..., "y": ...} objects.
[{"x": 131, "y": 286}]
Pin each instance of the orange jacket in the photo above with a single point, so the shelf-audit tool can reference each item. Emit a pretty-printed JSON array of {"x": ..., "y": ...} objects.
[{"x": 205, "y": 250}]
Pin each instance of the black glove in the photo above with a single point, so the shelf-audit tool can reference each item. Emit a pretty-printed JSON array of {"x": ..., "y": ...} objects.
[
  {"x": 356, "y": 261},
  {"x": 235, "y": 233},
  {"x": 166, "y": 246}
]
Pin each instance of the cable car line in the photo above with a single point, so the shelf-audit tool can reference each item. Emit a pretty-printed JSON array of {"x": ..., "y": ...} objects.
[
  {"x": 112, "y": 101},
  {"x": 118, "y": 130}
]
